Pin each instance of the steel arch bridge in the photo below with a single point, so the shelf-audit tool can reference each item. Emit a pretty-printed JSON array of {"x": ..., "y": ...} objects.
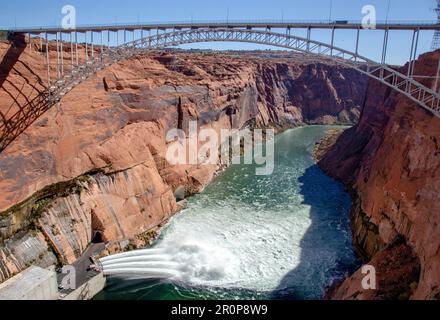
[
  {"x": 425, "y": 97},
  {"x": 100, "y": 56}
]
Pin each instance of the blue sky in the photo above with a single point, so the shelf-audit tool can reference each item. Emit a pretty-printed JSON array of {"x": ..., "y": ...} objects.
[{"x": 26, "y": 13}]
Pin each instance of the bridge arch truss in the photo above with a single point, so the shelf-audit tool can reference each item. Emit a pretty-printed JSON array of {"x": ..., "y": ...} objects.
[
  {"x": 408, "y": 86},
  {"x": 107, "y": 55}
]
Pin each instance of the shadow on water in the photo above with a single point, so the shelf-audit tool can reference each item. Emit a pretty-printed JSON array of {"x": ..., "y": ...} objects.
[{"x": 325, "y": 255}]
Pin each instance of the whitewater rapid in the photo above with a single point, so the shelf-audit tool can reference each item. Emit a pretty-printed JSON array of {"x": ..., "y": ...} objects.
[{"x": 287, "y": 232}]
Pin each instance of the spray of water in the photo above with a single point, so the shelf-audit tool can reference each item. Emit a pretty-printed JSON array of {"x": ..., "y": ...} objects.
[{"x": 187, "y": 261}]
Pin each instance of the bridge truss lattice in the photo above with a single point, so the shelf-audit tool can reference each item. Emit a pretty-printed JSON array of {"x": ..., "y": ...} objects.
[{"x": 100, "y": 56}]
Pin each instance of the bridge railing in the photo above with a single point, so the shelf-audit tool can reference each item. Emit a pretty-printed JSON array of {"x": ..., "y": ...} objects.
[{"x": 262, "y": 22}]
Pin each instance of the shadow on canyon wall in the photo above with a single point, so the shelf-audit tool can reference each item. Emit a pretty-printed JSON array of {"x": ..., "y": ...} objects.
[
  {"x": 23, "y": 109},
  {"x": 324, "y": 255},
  {"x": 18, "y": 45}
]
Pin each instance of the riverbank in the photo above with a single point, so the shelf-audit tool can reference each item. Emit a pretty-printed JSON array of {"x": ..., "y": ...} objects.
[{"x": 326, "y": 142}]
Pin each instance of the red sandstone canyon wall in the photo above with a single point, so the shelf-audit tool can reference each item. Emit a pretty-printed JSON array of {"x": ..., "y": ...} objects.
[{"x": 391, "y": 163}]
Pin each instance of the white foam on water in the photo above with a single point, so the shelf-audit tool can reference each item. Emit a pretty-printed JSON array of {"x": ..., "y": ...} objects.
[
  {"x": 229, "y": 248},
  {"x": 236, "y": 248}
]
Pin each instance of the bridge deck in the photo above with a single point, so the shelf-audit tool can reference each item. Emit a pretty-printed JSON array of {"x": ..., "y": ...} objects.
[{"x": 338, "y": 24}]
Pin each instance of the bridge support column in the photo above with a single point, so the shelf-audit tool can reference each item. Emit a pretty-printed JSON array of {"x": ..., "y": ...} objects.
[
  {"x": 411, "y": 55},
  {"x": 309, "y": 33},
  {"x": 76, "y": 47},
  {"x": 357, "y": 43},
  {"x": 62, "y": 54},
  {"x": 415, "y": 53},
  {"x": 384, "y": 51},
  {"x": 92, "y": 44},
  {"x": 71, "y": 51},
  {"x": 87, "y": 47},
  {"x": 58, "y": 58},
  {"x": 48, "y": 63},
  {"x": 41, "y": 43},
  {"x": 102, "y": 43},
  {"x": 332, "y": 42}
]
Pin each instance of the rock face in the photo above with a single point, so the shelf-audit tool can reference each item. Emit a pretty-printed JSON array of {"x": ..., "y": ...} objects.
[
  {"x": 391, "y": 163},
  {"x": 94, "y": 165}
]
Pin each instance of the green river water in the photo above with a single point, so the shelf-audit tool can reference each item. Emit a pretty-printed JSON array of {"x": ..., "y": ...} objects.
[{"x": 281, "y": 236}]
